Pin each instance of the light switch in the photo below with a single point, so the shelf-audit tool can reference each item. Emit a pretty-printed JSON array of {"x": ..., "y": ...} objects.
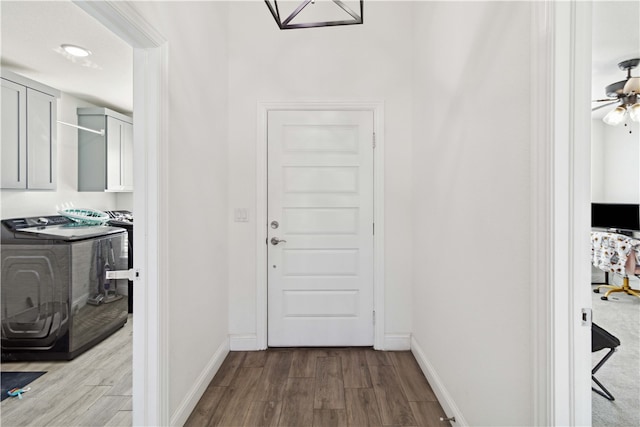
[{"x": 241, "y": 215}]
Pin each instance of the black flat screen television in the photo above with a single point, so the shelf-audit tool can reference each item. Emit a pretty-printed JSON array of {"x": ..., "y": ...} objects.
[{"x": 621, "y": 216}]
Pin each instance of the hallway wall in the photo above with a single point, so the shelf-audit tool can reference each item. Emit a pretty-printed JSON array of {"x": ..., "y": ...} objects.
[
  {"x": 197, "y": 171},
  {"x": 471, "y": 206}
]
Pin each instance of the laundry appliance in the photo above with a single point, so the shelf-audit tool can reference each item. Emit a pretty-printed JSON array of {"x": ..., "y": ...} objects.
[{"x": 56, "y": 299}]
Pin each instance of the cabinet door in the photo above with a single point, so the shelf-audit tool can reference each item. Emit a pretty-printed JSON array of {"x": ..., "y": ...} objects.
[
  {"x": 119, "y": 155},
  {"x": 92, "y": 154},
  {"x": 114, "y": 144},
  {"x": 127, "y": 157},
  {"x": 41, "y": 140},
  {"x": 14, "y": 135}
]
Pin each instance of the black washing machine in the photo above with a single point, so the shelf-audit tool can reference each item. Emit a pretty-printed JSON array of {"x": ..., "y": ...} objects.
[{"x": 56, "y": 299}]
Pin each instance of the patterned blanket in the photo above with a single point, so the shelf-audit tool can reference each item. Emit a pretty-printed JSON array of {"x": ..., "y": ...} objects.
[{"x": 613, "y": 252}]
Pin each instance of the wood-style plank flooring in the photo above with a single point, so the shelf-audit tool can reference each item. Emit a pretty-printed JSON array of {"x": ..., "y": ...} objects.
[
  {"x": 318, "y": 387},
  {"x": 94, "y": 389},
  {"x": 277, "y": 387}
]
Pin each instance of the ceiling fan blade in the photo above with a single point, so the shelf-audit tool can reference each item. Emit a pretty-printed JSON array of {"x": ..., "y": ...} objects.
[
  {"x": 605, "y": 100},
  {"x": 604, "y": 105}
]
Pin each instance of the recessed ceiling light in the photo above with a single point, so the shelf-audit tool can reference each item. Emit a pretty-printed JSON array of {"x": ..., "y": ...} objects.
[{"x": 75, "y": 50}]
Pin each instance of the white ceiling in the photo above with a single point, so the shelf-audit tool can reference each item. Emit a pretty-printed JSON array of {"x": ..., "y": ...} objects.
[{"x": 32, "y": 33}]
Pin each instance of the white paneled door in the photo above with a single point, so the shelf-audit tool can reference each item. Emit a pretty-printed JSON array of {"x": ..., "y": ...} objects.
[{"x": 320, "y": 228}]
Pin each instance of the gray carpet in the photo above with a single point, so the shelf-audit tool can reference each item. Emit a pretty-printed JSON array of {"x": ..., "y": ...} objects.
[{"x": 620, "y": 316}]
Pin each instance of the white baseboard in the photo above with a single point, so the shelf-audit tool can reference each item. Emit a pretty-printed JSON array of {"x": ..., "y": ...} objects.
[
  {"x": 444, "y": 398},
  {"x": 397, "y": 342},
  {"x": 191, "y": 399},
  {"x": 245, "y": 342}
]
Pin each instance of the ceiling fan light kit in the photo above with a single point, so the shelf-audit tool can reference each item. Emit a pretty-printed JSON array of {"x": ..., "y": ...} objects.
[
  {"x": 634, "y": 112},
  {"x": 615, "y": 117},
  {"x": 626, "y": 92}
]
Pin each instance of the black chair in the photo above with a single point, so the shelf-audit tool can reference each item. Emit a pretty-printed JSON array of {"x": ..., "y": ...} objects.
[{"x": 601, "y": 339}]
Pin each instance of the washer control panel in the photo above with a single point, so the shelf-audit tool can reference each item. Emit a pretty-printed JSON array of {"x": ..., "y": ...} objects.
[{"x": 36, "y": 221}]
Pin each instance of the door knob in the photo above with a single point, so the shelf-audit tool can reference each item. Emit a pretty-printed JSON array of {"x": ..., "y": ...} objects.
[{"x": 275, "y": 241}]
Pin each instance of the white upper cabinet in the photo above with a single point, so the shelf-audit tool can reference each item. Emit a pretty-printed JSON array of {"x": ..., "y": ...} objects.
[
  {"x": 41, "y": 140},
  {"x": 105, "y": 162},
  {"x": 28, "y": 134},
  {"x": 14, "y": 131}
]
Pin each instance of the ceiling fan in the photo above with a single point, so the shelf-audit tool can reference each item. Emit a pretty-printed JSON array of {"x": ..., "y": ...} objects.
[{"x": 625, "y": 93}]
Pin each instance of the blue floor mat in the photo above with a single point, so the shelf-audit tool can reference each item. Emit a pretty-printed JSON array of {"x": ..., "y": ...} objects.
[{"x": 11, "y": 380}]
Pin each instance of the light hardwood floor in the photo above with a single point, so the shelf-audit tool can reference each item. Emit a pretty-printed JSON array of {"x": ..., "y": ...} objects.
[
  {"x": 94, "y": 389},
  {"x": 318, "y": 387}
]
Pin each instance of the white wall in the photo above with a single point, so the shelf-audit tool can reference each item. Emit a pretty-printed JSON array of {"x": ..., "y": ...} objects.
[
  {"x": 471, "y": 206},
  {"x": 197, "y": 173},
  {"x": 21, "y": 203},
  {"x": 615, "y": 160},
  {"x": 597, "y": 160},
  {"x": 370, "y": 62},
  {"x": 124, "y": 201}
]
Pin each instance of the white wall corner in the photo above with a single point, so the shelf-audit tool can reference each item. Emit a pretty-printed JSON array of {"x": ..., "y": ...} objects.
[
  {"x": 444, "y": 397},
  {"x": 397, "y": 342},
  {"x": 190, "y": 400},
  {"x": 243, "y": 342}
]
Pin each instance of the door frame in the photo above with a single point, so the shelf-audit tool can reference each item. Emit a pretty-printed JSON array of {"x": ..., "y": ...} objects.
[
  {"x": 560, "y": 153},
  {"x": 377, "y": 108},
  {"x": 150, "y": 95}
]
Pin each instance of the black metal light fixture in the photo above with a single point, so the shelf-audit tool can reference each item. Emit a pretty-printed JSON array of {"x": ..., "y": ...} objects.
[{"x": 344, "y": 15}]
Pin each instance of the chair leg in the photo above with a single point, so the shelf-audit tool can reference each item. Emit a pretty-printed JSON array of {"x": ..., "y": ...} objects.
[
  {"x": 624, "y": 288},
  {"x": 604, "y": 393}
]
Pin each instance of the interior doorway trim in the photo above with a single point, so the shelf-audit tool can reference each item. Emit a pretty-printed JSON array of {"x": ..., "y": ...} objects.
[
  {"x": 572, "y": 200},
  {"x": 150, "y": 95},
  {"x": 378, "y": 209},
  {"x": 560, "y": 152}
]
